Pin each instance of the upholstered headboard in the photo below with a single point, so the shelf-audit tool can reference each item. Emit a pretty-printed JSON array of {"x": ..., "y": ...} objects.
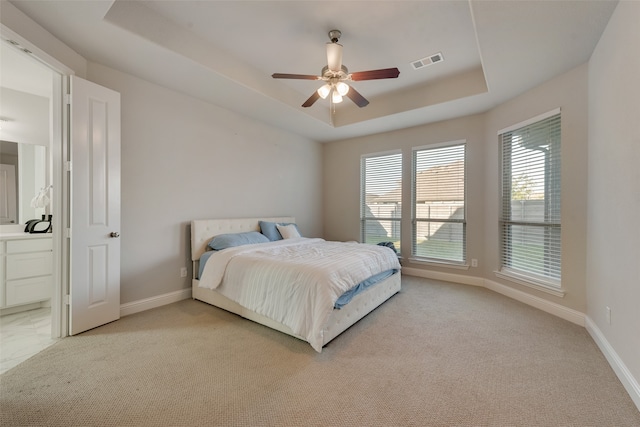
[{"x": 203, "y": 230}]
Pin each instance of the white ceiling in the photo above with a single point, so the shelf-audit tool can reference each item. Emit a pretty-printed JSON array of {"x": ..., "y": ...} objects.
[{"x": 224, "y": 52}]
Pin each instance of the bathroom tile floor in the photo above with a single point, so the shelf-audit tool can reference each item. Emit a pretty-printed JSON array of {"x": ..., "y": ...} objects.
[{"x": 22, "y": 335}]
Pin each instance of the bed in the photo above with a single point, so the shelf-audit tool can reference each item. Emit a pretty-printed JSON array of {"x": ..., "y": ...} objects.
[{"x": 331, "y": 323}]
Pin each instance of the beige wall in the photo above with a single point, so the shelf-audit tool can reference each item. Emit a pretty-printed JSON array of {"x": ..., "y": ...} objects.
[
  {"x": 184, "y": 159},
  {"x": 613, "y": 246},
  {"x": 568, "y": 91},
  {"x": 341, "y": 195},
  {"x": 600, "y": 103}
]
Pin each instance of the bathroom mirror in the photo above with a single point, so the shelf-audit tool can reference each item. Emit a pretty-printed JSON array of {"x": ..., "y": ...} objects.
[
  {"x": 25, "y": 126},
  {"x": 23, "y": 175}
]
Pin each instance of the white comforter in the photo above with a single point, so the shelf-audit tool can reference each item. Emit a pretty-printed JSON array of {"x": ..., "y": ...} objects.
[{"x": 296, "y": 281}]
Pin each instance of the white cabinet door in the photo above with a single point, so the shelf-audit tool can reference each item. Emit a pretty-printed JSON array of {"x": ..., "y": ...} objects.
[
  {"x": 33, "y": 264},
  {"x": 26, "y": 291},
  {"x": 95, "y": 206}
]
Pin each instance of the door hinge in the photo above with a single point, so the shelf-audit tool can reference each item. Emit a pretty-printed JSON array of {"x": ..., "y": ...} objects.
[
  {"x": 65, "y": 299},
  {"x": 67, "y": 99},
  {"x": 67, "y": 233},
  {"x": 67, "y": 166}
]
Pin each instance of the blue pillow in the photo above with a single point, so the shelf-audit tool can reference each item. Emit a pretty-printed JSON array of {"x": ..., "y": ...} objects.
[
  {"x": 223, "y": 241},
  {"x": 269, "y": 229}
]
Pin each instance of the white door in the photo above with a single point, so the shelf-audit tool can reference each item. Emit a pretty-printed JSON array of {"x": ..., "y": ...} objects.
[{"x": 94, "y": 297}]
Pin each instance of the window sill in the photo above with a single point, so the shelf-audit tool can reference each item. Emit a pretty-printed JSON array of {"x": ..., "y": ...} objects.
[
  {"x": 434, "y": 263},
  {"x": 541, "y": 285}
]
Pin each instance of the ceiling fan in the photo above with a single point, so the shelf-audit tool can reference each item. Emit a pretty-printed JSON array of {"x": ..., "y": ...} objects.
[{"x": 336, "y": 76}]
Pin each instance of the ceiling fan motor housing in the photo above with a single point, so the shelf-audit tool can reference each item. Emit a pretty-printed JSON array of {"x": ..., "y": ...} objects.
[{"x": 328, "y": 74}]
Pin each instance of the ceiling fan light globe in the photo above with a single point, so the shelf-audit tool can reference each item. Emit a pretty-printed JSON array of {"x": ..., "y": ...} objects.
[
  {"x": 324, "y": 91},
  {"x": 336, "y": 98},
  {"x": 342, "y": 88}
]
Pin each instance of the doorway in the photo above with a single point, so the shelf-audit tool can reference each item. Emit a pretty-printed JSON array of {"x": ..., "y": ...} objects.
[
  {"x": 30, "y": 130},
  {"x": 84, "y": 123}
]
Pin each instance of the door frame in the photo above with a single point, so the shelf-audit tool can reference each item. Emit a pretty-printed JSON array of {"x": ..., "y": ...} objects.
[{"x": 59, "y": 153}]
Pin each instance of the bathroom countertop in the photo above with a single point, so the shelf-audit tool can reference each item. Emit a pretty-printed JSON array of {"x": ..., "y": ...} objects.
[{"x": 23, "y": 235}]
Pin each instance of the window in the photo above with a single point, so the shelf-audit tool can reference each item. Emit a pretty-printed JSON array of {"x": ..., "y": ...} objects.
[
  {"x": 530, "y": 205},
  {"x": 381, "y": 198},
  {"x": 438, "y": 202}
]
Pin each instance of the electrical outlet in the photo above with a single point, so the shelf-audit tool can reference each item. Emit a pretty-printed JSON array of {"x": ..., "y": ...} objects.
[
  {"x": 183, "y": 272},
  {"x": 474, "y": 262},
  {"x": 608, "y": 315}
]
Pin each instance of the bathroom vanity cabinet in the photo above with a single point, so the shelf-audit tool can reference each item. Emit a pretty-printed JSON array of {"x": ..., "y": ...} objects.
[{"x": 26, "y": 269}]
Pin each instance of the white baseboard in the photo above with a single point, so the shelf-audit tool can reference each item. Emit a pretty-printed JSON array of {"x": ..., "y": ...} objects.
[
  {"x": 26, "y": 307},
  {"x": 447, "y": 277},
  {"x": 628, "y": 381},
  {"x": 563, "y": 312},
  {"x": 630, "y": 384},
  {"x": 153, "y": 302},
  {"x": 573, "y": 316},
  {"x": 558, "y": 310}
]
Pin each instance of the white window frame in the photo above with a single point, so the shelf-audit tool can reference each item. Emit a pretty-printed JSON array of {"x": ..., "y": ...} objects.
[
  {"x": 364, "y": 218},
  {"x": 544, "y": 282},
  {"x": 415, "y": 220}
]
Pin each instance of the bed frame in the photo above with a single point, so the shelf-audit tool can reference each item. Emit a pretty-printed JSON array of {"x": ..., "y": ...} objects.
[{"x": 202, "y": 231}]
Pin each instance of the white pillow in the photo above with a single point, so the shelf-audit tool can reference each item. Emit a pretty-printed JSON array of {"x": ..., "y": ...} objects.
[{"x": 288, "y": 231}]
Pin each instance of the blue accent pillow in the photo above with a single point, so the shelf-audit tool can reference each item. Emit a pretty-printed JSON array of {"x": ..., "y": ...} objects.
[
  {"x": 224, "y": 241},
  {"x": 269, "y": 229}
]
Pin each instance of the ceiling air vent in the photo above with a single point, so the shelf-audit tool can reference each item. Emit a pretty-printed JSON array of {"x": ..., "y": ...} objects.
[{"x": 429, "y": 60}]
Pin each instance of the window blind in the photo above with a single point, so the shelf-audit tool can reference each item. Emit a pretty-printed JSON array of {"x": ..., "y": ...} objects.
[
  {"x": 438, "y": 192},
  {"x": 381, "y": 198},
  {"x": 530, "y": 225}
]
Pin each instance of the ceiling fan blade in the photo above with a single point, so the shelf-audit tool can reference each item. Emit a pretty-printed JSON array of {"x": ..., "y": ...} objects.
[
  {"x": 334, "y": 56},
  {"x": 385, "y": 73},
  {"x": 355, "y": 96},
  {"x": 313, "y": 98},
  {"x": 294, "y": 76}
]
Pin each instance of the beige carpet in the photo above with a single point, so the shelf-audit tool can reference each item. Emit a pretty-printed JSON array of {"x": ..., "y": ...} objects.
[{"x": 437, "y": 354}]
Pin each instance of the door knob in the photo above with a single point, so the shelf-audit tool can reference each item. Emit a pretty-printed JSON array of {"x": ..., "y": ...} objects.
[{"x": 114, "y": 234}]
